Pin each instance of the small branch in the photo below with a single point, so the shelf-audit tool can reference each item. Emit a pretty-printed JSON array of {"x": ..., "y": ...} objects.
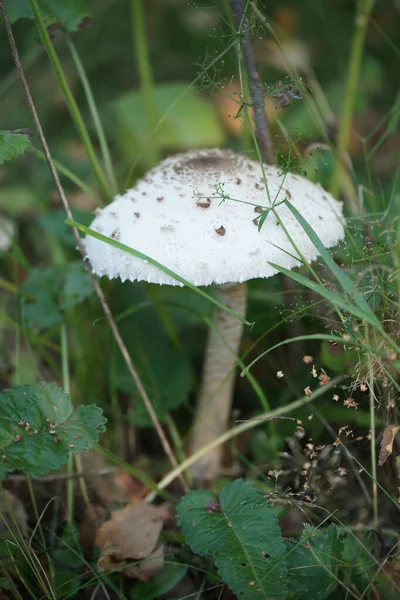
[
  {"x": 254, "y": 82},
  {"x": 164, "y": 441}
]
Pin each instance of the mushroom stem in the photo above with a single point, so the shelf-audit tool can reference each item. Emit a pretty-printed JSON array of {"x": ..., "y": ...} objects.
[{"x": 215, "y": 399}]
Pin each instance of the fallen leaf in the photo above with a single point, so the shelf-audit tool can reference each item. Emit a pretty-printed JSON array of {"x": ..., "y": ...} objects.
[
  {"x": 132, "y": 534},
  {"x": 387, "y": 443}
]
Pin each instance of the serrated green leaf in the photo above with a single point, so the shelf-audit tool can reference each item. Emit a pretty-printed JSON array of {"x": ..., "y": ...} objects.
[
  {"x": 241, "y": 533},
  {"x": 54, "y": 223},
  {"x": 70, "y": 15},
  {"x": 361, "y": 568},
  {"x": 314, "y": 562},
  {"x": 39, "y": 428},
  {"x": 49, "y": 290},
  {"x": 191, "y": 123},
  {"x": 77, "y": 285},
  {"x": 161, "y": 583},
  {"x": 12, "y": 144}
]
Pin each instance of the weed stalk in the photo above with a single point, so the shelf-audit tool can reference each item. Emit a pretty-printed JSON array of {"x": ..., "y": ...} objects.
[{"x": 70, "y": 100}]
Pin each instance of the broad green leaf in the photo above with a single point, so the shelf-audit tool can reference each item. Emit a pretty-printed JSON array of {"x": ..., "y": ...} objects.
[
  {"x": 360, "y": 566},
  {"x": 13, "y": 144},
  {"x": 77, "y": 285},
  {"x": 67, "y": 563},
  {"x": 240, "y": 532},
  {"x": 54, "y": 223},
  {"x": 313, "y": 563},
  {"x": 49, "y": 290},
  {"x": 191, "y": 122},
  {"x": 164, "y": 368},
  {"x": 161, "y": 583},
  {"x": 39, "y": 428},
  {"x": 39, "y": 293},
  {"x": 70, "y": 14}
]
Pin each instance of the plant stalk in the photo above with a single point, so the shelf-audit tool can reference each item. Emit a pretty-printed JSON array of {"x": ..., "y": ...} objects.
[
  {"x": 95, "y": 117},
  {"x": 70, "y": 100},
  {"x": 254, "y": 81},
  {"x": 145, "y": 74},
  {"x": 364, "y": 8}
]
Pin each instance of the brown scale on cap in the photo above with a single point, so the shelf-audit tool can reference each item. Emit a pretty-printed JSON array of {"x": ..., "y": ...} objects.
[
  {"x": 258, "y": 209},
  {"x": 203, "y": 203},
  {"x": 160, "y": 198},
  {"x": 221, "y": 230}
]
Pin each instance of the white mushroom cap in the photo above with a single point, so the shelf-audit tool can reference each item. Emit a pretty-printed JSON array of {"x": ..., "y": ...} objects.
[{"x": 198, "y": 213}]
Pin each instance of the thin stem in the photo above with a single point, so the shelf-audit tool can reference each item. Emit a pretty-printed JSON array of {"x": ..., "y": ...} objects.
[
  {"x": 70, "y": 100},
  {"x": 254, "y": 81},
  {"x": 374, "y": 473},
  {"x": 364, "y": 8},
  {"x": 95, "y": 116},
  {"x": 65, "y": 380},
  {"x": 39, "y": 526},
  {"x": 145, "y": 74},
  {"x": 106, "y": 309}
]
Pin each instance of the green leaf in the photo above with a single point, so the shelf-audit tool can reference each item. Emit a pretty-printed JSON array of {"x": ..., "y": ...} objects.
[
  {"x": 241, "y": 533},
  {"x": 162, "y": 582},
  {"x": 77, "y": 285},
  {"x": 190, "y": 122},
  {"x": 39, "y": 428},
  {"x": 49, "y": 290},
  {"x": 13, "y": 144},
  {"x": 314, "y": 562},
  {"x": 54, "y": 223},
  {"x": 67, "y": 562},
  {"x": 71, "y": 14},
  {"x": 360, "y": 565},
  {"x": 155, "y": 357}
]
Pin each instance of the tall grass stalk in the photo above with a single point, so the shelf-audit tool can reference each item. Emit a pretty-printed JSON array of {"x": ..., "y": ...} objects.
[
  {"x": 145, "y": 74},
  {"x": 363, "y": 12},
  {"x": 70, "y": 100},
  {"x": 95, "y": 116},
  {"x": 371, "y": 386}
]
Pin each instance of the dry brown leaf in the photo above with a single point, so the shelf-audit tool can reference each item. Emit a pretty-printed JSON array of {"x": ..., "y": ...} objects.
[
  {"x": 387, "y": 443},
  {"x": 132, "y": 534}
]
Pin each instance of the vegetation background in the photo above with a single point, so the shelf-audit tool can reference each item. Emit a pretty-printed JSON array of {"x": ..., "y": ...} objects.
[{"x": 150, "y": 79}]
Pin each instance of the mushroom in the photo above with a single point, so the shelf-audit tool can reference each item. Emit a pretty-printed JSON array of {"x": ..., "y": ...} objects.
[{"x": 204, "y": 215}]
